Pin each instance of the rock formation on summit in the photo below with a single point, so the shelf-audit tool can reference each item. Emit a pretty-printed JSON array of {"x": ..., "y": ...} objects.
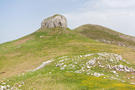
[{"x": 54, "y": 21}]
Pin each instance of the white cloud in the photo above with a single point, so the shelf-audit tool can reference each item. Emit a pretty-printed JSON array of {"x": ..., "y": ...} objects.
[
  {"x": 119, "y": 3},
  {"x": 107, "y": 4},
  {"x": 115, "y": 14}
]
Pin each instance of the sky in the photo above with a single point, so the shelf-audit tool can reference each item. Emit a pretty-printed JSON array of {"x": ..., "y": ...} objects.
[{"x": 22, "y": 17}]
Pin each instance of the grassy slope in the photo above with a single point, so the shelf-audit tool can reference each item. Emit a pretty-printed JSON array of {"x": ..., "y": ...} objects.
[
  {"x": 30, "y": 51},
  {"x": 106, "y": 35}
]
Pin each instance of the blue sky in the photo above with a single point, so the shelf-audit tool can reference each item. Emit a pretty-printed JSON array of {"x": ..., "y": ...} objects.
[{"x": 22, "y": 17}]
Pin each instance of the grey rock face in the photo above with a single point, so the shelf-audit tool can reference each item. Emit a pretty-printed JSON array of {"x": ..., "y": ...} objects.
[{"x": 54, "y": 21}]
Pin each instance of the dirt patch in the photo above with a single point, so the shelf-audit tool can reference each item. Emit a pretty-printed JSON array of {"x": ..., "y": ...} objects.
[
  {"x": 77, "y": 43},
  {"x": 130, "y": 56},
  {"x": 2, "y": 72},
  {"x": 130, "y": 78},
  {"x": 23, "y": 40},
  {"x": 13, "y": 54},
  {"x": 29, "y": 61}
]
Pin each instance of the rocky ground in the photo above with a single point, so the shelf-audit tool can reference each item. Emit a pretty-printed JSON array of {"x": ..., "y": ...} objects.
[{"x": 107, "y": 65}]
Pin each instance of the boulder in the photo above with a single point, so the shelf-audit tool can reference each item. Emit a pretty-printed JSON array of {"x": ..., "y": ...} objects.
[{"x": 55, "y": 21}]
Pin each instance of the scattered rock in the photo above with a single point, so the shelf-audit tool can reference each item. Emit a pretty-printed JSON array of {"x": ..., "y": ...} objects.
[
  {"x": 113, "y": 72},
  {"x": 8, "y": 86},
  {"x": 123, "y": 68},
  {"x": 57, "y": 65},
  {"x": 43, "y": 64},
  {"x": 41, "y": 36},
  {"x": 3, "y": 83},
  {"x": 97, "y": 74},
  {"x": 91, "y": 62},
  {"x": 132, "y": 83},
  {"x": 88, "y": 67}
]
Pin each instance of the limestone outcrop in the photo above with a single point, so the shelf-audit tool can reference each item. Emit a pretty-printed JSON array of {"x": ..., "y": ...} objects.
[{"x": 55, "y": 21}]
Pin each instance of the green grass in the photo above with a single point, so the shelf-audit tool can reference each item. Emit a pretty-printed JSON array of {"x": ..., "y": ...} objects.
[
  {"x": 30, "y": 51},
  {"x": 100, "y": 33},
  {"x": 56, "y": 80}
]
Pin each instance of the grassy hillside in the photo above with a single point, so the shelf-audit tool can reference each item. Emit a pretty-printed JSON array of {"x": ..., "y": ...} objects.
[
  {"x": 58, "y": 58},
  {"x": 106, "y": 35}
]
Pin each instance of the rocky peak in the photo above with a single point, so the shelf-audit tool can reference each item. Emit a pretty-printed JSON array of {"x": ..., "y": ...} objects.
[{"x": 55, "y": 21}]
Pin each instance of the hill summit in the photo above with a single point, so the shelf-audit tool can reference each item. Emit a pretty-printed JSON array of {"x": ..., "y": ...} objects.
[{"x": 55, "y": 21}]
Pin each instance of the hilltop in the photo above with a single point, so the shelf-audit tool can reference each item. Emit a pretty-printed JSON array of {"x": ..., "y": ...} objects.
[
  {"x": 106, "y": 35},
  {"x": 54, "y": 58}
]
